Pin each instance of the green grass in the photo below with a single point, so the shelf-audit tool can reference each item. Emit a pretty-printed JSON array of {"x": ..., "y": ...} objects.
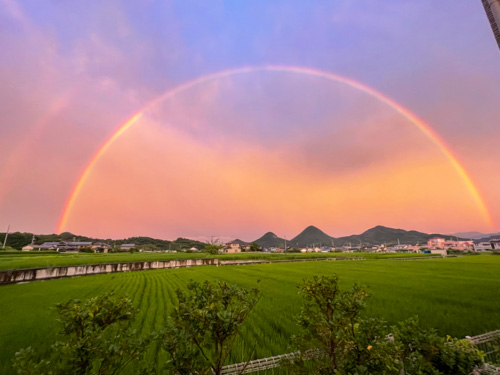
[
  {"x": 22, "y": 260},
  {"x": 458, "y": 296}
]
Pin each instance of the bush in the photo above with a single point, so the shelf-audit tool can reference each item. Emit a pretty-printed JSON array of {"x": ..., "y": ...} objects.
[
  {"x": 336, "y": 340},
  {"x": 97, "y": 340},
  {"x": 456, "y": 357}
]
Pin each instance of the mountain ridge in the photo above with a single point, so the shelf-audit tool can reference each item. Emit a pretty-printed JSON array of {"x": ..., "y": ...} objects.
[
  {"x": 310, "y": 236},
  {"x": 377, "y": 235}
]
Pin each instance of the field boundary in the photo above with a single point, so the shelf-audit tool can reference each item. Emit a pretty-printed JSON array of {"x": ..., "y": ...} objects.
[{"x": 59, "y": 272}]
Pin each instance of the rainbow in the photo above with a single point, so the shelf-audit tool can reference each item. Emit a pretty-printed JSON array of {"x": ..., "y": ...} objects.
[{"x": 421, "y": 125}]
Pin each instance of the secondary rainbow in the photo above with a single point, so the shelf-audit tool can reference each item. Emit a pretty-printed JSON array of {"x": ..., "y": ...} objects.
[{"x": 421, "y": 125}]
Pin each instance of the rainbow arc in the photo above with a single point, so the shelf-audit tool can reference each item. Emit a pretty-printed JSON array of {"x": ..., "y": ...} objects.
[{"x": 412, "y": 118}]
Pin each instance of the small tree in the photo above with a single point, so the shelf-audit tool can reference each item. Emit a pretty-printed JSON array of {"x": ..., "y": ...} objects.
[
  {"x": 98, "y": 340},
  {"x": 255, "y": 247},
  {"x": 205, "y": 324},
  {"x": 334, "y": 335},
  {"x": 213, "y": 247}
]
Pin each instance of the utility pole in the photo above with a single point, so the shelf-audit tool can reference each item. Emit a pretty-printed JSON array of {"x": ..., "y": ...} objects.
[
  {"x": 285, "y": 244},
  {"x": 492, "y": 8},
  {"x": 5, "y": 239}
]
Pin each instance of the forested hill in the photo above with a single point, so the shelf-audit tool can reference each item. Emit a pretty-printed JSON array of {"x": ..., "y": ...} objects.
[
  {"x": 17, "y": 240},
  {"x": 270, "y": 240},
  {"x": 380, "y": 234},
  {"x": 311, "y": 235}
]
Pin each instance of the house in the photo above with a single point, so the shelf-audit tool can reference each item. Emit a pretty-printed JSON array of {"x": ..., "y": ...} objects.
[
  {"x": 100, "y": 247},
  {"x": 413, "y": 248},
  {"x": 436, "y": 243},
  {"x": 50, "y": 246},
  {"x": 232, "y": 247},
  {"x": 401, "y": 248},
  {"x": 76, "y": 245},
  {"x": 459, "y": 245}
]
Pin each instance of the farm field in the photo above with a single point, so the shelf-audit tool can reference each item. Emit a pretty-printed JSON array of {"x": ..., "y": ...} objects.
[
  {"x": 458, "y": 296},
  {"x": 20, "y": 260}
]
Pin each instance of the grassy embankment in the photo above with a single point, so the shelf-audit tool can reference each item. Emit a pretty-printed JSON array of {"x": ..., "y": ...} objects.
[
  {"x": 457, "y": 296},
  {"x": 19, "y": 260}
]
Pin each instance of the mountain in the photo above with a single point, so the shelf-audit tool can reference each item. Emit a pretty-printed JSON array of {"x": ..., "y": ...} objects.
[
  {"x": 309, "y": 236},
  {"x": 491, "y": 236},
  {"x": 270, "y": 240},
  {"x": 374, "y": 236},
  {"x": 472, "y": 234},
  {"x": 476, "y": 235},
  {"x": 380, "y": 234}
]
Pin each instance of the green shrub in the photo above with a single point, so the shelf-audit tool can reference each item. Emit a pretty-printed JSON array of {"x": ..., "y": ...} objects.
[
  {"x": 336, "y": 340},
  {"x": 98, "y": 339},
  {"x": 456, "y": 356}
]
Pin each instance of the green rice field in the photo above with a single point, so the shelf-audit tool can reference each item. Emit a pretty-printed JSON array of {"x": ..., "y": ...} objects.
[
  {"x": 457, "y": 296},
  {"x": 20, "y": 260}
]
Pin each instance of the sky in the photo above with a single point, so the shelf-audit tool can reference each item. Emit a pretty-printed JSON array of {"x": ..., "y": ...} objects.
[{"x": 233, "y": 118}]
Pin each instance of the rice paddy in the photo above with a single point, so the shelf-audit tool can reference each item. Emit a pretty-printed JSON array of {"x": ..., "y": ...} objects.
[
  {"x": 20, "y": 260},
  {"x": 458, "y": 296}
]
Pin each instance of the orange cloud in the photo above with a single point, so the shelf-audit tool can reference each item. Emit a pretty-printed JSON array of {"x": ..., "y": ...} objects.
[{"x": 159, "y": 180}]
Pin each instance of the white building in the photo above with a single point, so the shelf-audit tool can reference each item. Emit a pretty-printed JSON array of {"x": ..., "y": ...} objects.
[{"x": 483, "y": 246}]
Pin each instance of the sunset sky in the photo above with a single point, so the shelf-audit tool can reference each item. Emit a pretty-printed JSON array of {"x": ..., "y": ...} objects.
[{"x": 234, "y": 118}]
